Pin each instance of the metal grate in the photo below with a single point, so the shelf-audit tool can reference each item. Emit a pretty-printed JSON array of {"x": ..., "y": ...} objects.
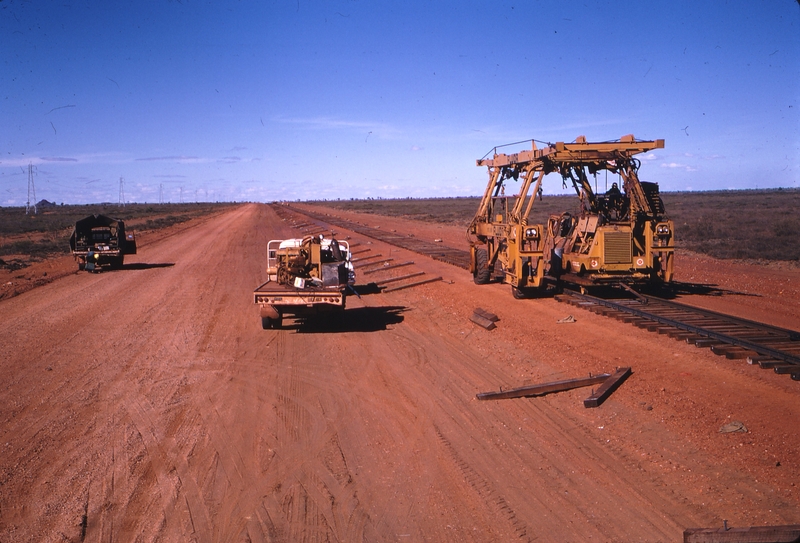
[{"x": 617, "y": 248}]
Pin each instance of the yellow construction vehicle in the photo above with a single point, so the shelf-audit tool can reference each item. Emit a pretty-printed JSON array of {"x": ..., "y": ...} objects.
[{"x": 620, "y": 236}]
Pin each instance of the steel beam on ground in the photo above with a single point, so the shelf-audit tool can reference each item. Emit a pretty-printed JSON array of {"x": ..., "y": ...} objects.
[
  {"x": 364, "y": 264},
  {"x": 752, "y": 534},
  {"x": 391, "y": 267},
  {"x": 363, "y": 258},
  {"x": 544, "y": 388},
  {"x": 400, "y": 278},
  {"x": 415, "y": 284},
  {"x": 482, "y": 321},
  {"x": 607, "y": 388},
  {"x": 486, "y": 314}
]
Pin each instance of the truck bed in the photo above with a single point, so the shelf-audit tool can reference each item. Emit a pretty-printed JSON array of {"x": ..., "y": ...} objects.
[
  {"x": 276, "y": 300},
  {"x": 275, "y": 294}
]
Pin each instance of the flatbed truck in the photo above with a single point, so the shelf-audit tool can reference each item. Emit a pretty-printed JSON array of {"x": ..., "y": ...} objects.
[{"x": 305, "y": 276}]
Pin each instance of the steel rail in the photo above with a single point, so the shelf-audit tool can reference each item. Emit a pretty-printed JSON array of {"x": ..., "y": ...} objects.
[
  {"x": 700, "y": 330},
  {"x": 793, "y": 335},
  {"x": 455, "y": 257}
]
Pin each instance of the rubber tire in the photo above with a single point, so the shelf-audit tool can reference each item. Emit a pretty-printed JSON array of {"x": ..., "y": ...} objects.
[
  {"x": 520, "y": 293},
  {"x": 268, "y": 323},
  {"x": 482, "y": 273}
]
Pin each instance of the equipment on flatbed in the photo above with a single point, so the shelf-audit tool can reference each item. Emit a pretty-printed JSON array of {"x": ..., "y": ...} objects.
[
  {"x": 616, "y": 237},
  {"x": 305, "y": 276},
  {"x": 99, "y": 241}
]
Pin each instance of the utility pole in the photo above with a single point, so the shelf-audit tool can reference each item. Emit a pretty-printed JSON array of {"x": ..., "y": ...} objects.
[
  {"x": 31, "y": 191},
  {"x": 181, "y": 195},
  {"x": 161, "y": 193},
  {"x": 122, "y": 191}
]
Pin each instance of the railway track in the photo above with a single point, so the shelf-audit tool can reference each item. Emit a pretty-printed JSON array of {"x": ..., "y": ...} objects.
[
  {"x": 767, "y": 346},
  {"x": 760, "y": 344},
  {"x": 456, "y": 257}
]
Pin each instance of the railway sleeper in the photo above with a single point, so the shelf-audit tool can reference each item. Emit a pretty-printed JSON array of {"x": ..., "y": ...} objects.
[
  {"x": 756, "y": 359},
  {"x": 632, "y": 319},
  {"x": 707, "y": 342},
  {"x": 736, "y": 351},
  {"x": 784, "y": 368},
  {"x": 642, "y": 322},
  {"x": 683, "y": 335},
  {"x": 732, "y": 352},
  {"x": 665, "y": 330}
]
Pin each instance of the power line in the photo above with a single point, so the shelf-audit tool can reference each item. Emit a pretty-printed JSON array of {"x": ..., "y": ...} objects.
[{"x": 31, "y": 191}]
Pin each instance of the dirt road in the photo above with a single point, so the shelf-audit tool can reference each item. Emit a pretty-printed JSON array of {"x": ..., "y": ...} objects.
[{"x": 148, "y": 404}]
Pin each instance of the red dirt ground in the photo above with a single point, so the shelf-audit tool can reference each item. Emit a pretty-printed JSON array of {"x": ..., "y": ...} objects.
[{"x": 148, "y": 404}]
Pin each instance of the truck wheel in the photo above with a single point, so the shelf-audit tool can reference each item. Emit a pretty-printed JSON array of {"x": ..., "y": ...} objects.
[
  {"x": 482, "y": 273},
  {"x": 117, "y": 261},
  {"x": 267, "y": 323},
  {"x": 520, "y": 293}
]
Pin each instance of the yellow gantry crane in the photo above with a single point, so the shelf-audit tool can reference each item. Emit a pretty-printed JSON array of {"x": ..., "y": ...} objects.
[{"x": 621, "y": 236}]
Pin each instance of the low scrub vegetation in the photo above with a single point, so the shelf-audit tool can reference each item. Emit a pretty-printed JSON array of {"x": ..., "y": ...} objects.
[
  {"x": 47, "y": 232},
  {"x": 741, "y": 224}
]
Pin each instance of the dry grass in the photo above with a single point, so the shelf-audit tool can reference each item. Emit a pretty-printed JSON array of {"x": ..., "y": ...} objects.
[
  {"x": 47, "y": 233},
  {"x": 742, "y": 224}
]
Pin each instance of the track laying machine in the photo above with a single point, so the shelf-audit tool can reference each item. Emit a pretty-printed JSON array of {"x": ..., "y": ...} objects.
[{"x": 620, "y": 236}]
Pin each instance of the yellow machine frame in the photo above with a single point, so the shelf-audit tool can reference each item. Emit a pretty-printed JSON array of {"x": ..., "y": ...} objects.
[{"x": 614, "y": 238}]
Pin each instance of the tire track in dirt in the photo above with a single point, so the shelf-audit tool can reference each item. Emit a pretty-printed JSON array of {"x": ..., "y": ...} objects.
[
  {"x": 315, "y": 494},
  {"x": 561, "y": 443},
  {"x": 107, "y": 374},
  {"x": 166, "y": 457},
  {"x": 486, "y": 490},
  {"x": 300, "y": 429}
]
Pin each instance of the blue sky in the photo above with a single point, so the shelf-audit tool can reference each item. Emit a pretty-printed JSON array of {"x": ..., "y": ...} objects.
[{"x": 265, "y": 100}]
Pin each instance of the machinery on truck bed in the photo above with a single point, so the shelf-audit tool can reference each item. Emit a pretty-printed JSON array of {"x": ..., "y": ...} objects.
[
  {"x": 621, "y": 236},
  {"x": 305, "y": 276},
  {"x": 99, "y": 241}
]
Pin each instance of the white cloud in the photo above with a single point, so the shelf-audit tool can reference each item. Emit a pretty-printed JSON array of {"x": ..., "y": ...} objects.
[
  {"x": 58, "y": 159},
  {"x": 179, "y": 158},
  {"x": 377, "y": 129},
  {"x": 678, "y": 166}
]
